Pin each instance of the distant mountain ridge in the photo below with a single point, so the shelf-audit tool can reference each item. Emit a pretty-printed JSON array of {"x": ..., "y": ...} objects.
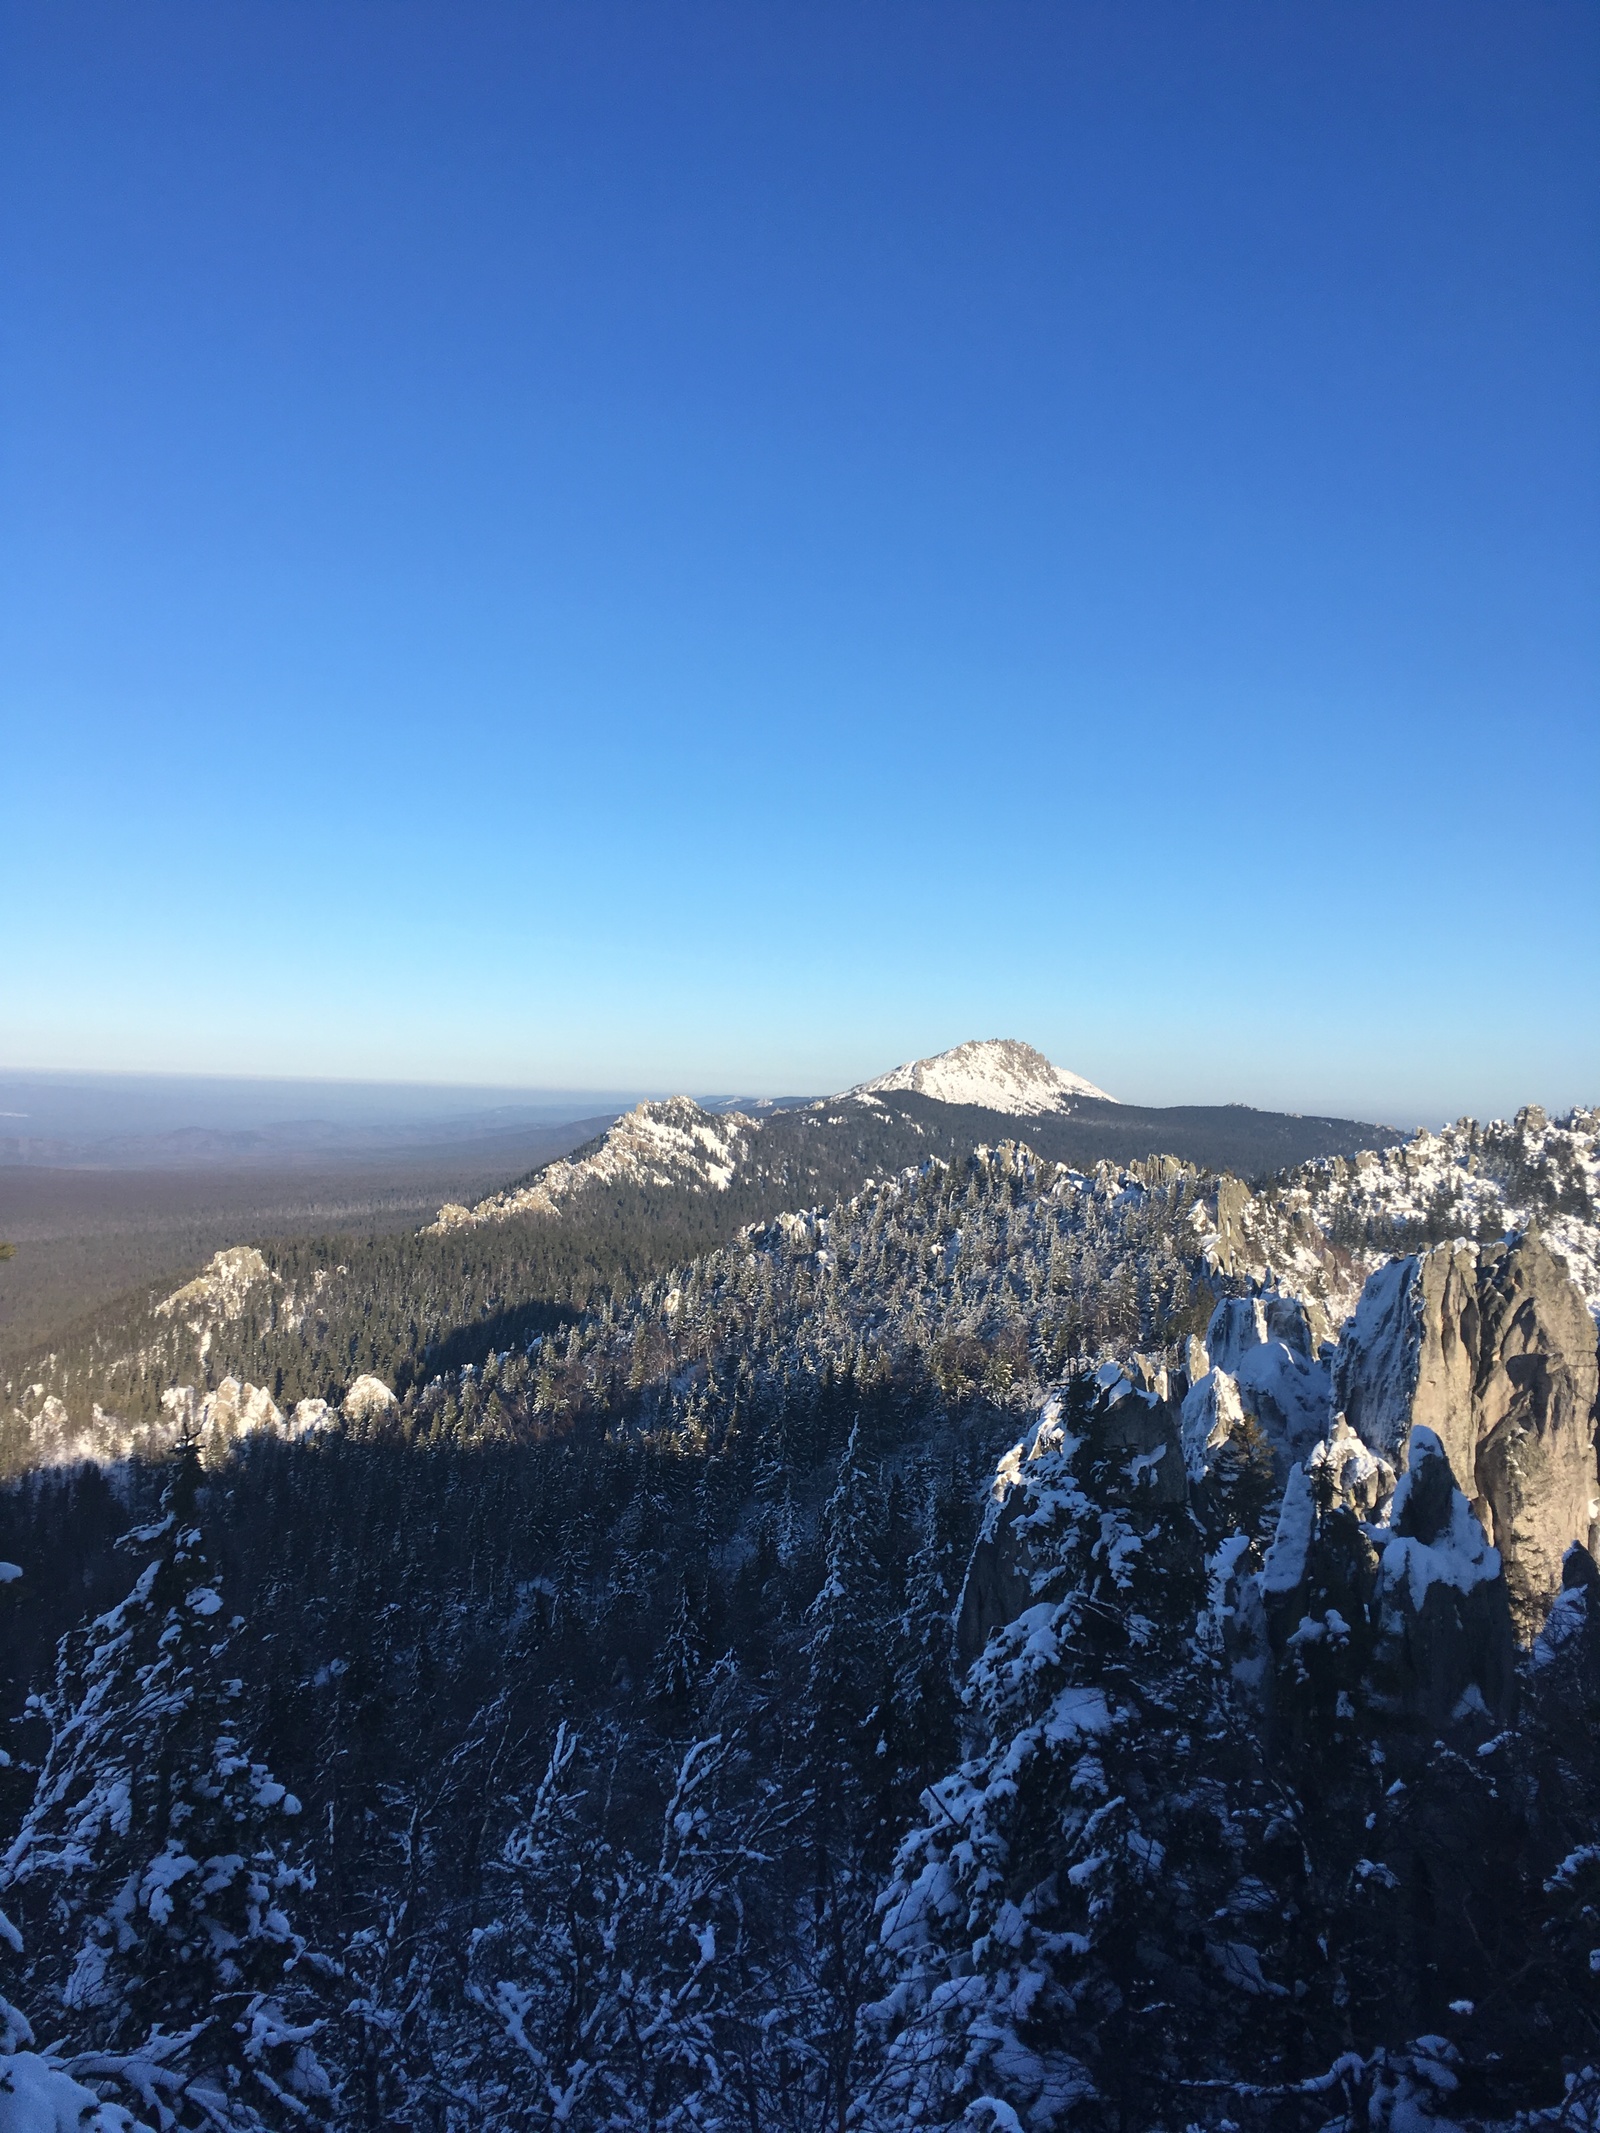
[{"x": 976, "y": 1093}]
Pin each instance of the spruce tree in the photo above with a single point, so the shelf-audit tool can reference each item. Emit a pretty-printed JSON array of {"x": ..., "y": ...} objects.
[{"x": 150, "y": 1879}]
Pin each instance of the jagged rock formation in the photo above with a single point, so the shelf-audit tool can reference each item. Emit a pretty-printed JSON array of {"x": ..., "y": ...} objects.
[
  {"x": 222, "y": 1291},
  {"x": 1354, "y": 1477},
  {"x": 668, "y": 1143},
  {"x": 214, "y": 1420},
  {"x": 1326, "y": 1226},
  {"x": 1258, "y": 1360},
  {"x": 1492, "y": 1350},
  {"x": 1425, "y": 1593},
  {"x": 1570, "y": 1639},
  {"x": 1442, "y": 1601}
]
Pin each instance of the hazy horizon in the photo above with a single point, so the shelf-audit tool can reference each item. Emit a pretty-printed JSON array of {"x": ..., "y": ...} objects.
[{"x": 87, "y": 1101}]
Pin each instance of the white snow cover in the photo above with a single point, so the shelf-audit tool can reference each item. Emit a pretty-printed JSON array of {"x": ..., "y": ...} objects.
[
  {"x": 1468, "y": 1180},
  {"x": 211, "y": 1419},
  {"x": 1357, "y": 1476},
  {"x": 1286, "y": 1558},
  {"x": 1567, "y": 1621},
  {"x": 1262, "y": 1364},
  {"x": 222, "y": 1290},
  {"x": 1211, "y": 1411},
  {"x": 1378, "y": 1350},
  {"x": 368, "y": 1396},
  {"x": 1460, "y": 1556},
  {"x": 37, "y": 2095},
  {"x": 995, "y": 1073}
]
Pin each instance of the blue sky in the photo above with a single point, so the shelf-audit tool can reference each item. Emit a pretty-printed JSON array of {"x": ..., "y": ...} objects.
[{"x": 727, "y": 546}]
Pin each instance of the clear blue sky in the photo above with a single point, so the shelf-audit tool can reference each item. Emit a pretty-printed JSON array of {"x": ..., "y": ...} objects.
[{"x": 729, "y": 545}]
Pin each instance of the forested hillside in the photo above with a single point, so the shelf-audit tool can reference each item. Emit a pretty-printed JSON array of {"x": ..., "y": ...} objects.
[
  {"x": 933, "y": 1658},
  {"x": 670, "y": 1181}
]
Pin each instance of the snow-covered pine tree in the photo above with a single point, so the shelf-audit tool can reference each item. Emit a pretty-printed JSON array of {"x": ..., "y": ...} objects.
[
  {"x": 682, "y": 1657},
  {"x": 525, "y": 2057},
  {"x": 619, "y": 1989},
  {"x": 1048, "y": 1931},
  {"x": 837, "y": 1766},
  {"x": 150, "y": 1879},
  {"x": 37, "y": 2093}
]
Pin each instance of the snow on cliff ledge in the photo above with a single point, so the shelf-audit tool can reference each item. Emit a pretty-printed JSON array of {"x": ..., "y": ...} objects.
[{"x": 995, "y": 1073}]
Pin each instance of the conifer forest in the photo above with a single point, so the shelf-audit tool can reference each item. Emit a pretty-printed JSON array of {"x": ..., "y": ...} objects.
[{"x": 1006, "y": 1646}]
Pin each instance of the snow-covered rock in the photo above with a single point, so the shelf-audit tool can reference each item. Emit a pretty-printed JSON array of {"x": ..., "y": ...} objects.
[
  {"x": 1571, "y": 1634},
  {"x": 1324, "y": 1228},
  {"x": 1262, "y": 1365},
  {"x": 367, "y": 1397},
  {"x": 214, "y": 1420},
  {"x": 1442, "y": 1600},
  {"x": 993, "y": 1073},
  {"x": 668, "y": 1143},
  {"x": 1285, "y": 1566},
  {"x": 223, "y": 1290},
  {"x": 1211, "y": 1411},
  {"x": 220, "y": 1418},
  {"x": 1355, "y": 1477}
]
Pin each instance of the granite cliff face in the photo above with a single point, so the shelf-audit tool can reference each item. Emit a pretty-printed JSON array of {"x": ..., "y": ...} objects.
[{"x": 1492, "y": 1349}]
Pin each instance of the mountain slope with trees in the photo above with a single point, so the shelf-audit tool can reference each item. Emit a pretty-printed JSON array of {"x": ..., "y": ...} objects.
[{"x": 932, "y": 1658}]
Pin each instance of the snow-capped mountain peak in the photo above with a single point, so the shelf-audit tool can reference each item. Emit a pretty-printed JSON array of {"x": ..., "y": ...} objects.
[{"x": 995, "y": 1073}]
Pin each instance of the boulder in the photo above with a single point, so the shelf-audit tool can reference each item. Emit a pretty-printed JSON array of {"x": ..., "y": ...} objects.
[{"x": 367, "y": 1397}]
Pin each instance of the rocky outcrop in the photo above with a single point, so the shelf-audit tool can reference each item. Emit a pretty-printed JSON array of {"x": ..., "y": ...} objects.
[
  {"x": 1352, "y": 1476},
  {"x": 1492, "y": 1349},
  {"x": 1232, "y": 1251},
  {"x": 222, "y": 1291},
  {"x": 1445, "y": 1640},
  {"x": 1422, "y": 1601},
  {"x": 1569, "y": 1644},
  {"x": 367, "y": 1397},
  {"x": 662, "y": 1144},
  {"x": 1259, "y": 1361}
]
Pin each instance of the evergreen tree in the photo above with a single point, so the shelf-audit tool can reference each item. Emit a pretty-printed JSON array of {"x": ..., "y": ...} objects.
[
  {"x": 682, "y": 1654},
  {"x": 1042, "y": 1926},
  {"x": 150, "y": 1878}
]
